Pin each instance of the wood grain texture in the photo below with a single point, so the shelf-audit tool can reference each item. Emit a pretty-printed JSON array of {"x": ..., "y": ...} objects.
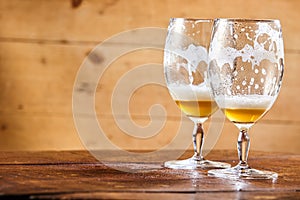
[
  {"x": 179, "y": 196},
  {"x": 41, "y": 52},
  {"x": 77, "y": 175},
  {"x": 96, "y": 21}
]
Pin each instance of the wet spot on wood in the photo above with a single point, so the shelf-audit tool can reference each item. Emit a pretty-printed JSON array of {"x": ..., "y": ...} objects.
[
  {"x": 20, "y": 107},
  {"x": 64, "y": 41},
  {"x": 95, "y": 58},
  {"x": 3, "y": 127},
  {"x": 85, "y": 87},
  {"x": 88, "y": 52},
  {"x": 43, "y": 60},
  {"x": 76, "y": 3},
  {"x": 41, "y": 42}
]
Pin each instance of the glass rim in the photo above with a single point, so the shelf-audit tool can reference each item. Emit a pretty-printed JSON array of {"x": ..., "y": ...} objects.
[
  {"x": 191, "y": 19},
  {"x": 246, "y": 20}
]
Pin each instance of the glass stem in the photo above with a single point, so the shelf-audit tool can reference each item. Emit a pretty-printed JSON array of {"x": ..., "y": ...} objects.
[
  {"x": 198, "y": 139},
  {"x": 243, "y": 148}
]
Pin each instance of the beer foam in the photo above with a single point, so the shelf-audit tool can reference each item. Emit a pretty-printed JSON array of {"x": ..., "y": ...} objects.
[
  {"x": 253, "y": 54},
  {"x": 245, "y": 101},
  {"x": 193, "y": 54},
  {"x": 189, "y": 92},
  {"x": 191, "y": 57}
]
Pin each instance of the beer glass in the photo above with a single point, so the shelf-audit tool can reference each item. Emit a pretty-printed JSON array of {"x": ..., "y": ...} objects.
[
  {"x": 246, "y": 59},
  {"x": 185, "y": 70}
]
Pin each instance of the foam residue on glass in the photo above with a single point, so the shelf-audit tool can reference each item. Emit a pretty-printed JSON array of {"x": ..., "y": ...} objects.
[
  {"x": 250, "y": 53},
  {"x": 246, "y": 44},
  {"x": 193, "y": 56},
  {"x": 186, "y": 55}
]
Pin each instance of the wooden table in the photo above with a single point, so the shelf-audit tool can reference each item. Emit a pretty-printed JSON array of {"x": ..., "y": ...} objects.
[{"x": 78, "y": 175}]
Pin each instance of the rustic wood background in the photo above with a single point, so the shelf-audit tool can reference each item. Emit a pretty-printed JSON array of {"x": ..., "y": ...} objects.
[{"x": 43, "y": 43}]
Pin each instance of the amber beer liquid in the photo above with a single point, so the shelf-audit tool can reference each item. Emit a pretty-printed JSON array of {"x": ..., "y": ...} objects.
[
  {"x": 244, "y": 115},
  {"x": 194, "y": 101},
  {"x": 246, "y": 109},
  {"x": 199, "y": 108}
]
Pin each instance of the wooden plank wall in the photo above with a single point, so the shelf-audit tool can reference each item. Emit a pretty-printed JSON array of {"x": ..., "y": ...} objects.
[{"x": 43, "y": 43}]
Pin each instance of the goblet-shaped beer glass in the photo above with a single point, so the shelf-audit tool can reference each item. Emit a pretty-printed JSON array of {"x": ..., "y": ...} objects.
[
  {"x": 185, "y": 69},
  {"x": 245, "y": 73}
]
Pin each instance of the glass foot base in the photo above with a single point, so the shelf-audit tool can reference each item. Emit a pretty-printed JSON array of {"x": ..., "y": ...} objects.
[
  {"x": 193, "y": 163},
  {"x": 238, "y": 172}
]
